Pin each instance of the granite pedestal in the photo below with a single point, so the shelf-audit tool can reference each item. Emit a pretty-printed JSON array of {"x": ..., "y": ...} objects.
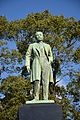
[{"x": 40, "y": 111}]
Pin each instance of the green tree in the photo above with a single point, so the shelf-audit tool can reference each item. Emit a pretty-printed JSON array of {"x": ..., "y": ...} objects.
[
  {"x": 63, "y": 35},
  {"x": 73, "y": 90},
  {"x": 60, "y": 32},
  {"x": 17, "y": 92}
]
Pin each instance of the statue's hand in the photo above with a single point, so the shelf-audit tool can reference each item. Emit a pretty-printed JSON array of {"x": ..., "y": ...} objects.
[
  {"x": 28, "y": 69},
  {"x": 49, "y": 62}
]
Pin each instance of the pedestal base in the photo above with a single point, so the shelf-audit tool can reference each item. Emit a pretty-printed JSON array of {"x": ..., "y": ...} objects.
[{"x": 43, "y": 111}]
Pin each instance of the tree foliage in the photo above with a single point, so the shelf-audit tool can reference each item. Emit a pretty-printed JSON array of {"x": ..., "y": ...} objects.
[
  {"x": 17, "y": 92},
  {"x": 73, "y": 90},
  {"x": 60, "y": 32},
  {"x": 63, "y": 35}
]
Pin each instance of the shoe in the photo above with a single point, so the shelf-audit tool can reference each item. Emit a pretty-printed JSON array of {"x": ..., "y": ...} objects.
[{"x": 34, "y": 100}]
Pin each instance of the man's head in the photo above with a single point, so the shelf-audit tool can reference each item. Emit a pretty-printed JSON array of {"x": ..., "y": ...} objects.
[{"x": 39, "y": 36}]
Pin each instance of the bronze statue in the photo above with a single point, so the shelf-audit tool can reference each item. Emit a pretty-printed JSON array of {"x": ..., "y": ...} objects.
[{"x": 41, "y": 70}]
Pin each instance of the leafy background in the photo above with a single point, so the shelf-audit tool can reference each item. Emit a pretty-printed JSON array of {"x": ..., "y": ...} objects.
[{"x": 63, "y": 35}]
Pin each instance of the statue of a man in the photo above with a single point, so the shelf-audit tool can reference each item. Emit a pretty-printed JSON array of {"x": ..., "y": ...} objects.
[{"x": 41, "y": 70}]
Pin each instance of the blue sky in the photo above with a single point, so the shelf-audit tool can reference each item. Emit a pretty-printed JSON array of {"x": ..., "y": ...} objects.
[{"x": 16, "y": 9}]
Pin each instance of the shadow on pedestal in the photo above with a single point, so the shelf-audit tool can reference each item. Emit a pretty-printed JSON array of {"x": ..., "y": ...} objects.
[{"x": 45, "y": 111}]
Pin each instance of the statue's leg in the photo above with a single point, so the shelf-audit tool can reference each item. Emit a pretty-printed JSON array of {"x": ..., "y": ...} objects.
[
  {"x": 45, "y": 82},
  {"x": 36, "y": 88}
]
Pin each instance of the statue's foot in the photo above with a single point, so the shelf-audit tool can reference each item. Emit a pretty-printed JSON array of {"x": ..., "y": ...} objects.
[
  {"x": 34, "y": 100},
  {"x": 46, "y": 100}
]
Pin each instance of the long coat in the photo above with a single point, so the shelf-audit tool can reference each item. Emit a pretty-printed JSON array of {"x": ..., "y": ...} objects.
[{"x": 33, "y": 53}]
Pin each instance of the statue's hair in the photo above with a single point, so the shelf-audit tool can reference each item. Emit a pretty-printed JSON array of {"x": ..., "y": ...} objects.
[{"x": 38, "y": 31}]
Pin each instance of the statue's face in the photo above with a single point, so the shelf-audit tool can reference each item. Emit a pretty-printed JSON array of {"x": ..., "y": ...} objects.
[{"x": 39, "y": 36}]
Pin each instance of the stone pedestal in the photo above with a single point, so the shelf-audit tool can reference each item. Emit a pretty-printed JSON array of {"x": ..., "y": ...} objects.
[{"x": 40, "y": 111}]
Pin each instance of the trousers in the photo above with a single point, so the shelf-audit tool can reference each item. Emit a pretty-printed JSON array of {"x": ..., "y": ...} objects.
[{"x": 45, "y": 72}]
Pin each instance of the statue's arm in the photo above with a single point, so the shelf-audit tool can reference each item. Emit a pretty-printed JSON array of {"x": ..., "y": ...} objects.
[
  {"x": 28, "y": 57},
  {"x": 50, "y": 55}
]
